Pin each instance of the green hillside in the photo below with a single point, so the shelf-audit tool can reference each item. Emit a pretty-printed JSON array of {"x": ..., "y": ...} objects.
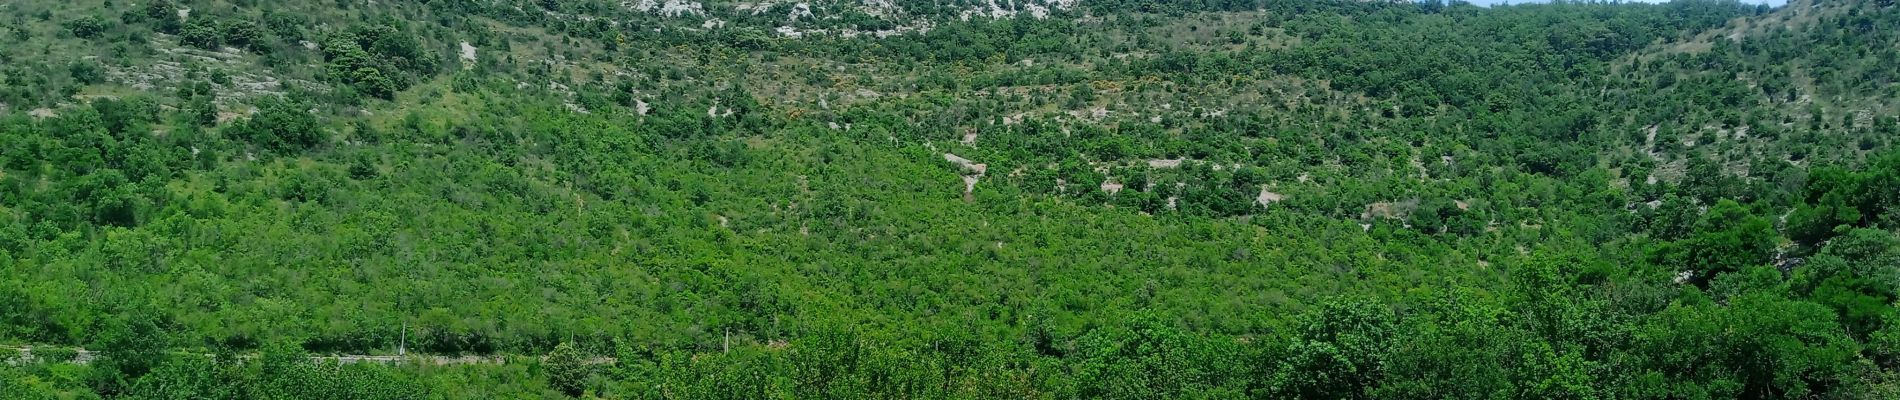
[{"x": 1130, "y": 199}]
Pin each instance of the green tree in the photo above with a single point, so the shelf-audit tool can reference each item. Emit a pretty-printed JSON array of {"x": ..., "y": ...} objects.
[
  {"x": 1759, "y": 346},
  {"x": 201, "y": 34},
  {"x": 281, "y": 125},
  {"x": 86, "y": 73},
  {"x": 1153, "y": 359},
  {"x": 128, "y": 349},
  {"x": 202, "y": 110},
  {"x": 1727, "y": 238},
  {"x": 241, "y": 34},
  {"x": 567, "y": 372},
  {"x": 87, "y": 27},
  {"x": 190, "y": 378},
  {"x": 1339, "y": 351},
  {"x": 373, "y": 82},
  {"x": 1857, "y": 274}
]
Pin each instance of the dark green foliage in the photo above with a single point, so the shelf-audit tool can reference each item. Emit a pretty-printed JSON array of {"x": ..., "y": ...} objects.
[
  {"x": 281, "y": 125},
  {"x": 1858, "y": 274},
  {"x": 87, "y": 27},
  {"x": 1460, "y": 347},
  {"x": 1758, "y": 346},
  {"x": 566, "y": 371},
  {"x": 1253, "y": 199},
  {"x": 128, "y": 349},
  {"x": 164, "y": 16},
  {"x": 1149, "y": 358},
  {"x": 378, "y": 61},
  {"x": 285, "y": 25},
  {"x": 1339, "y": 350},
  {"x": 1728, "y": 238},
  {"x": 279, "y": 372},
  {"x": 285, "y": 372},
  {"x": 373, "y": 82},
  {"x": 241, "y": 34},
  {"x": 201, "y": 33},
  {"x": 161, "y": 10},
  {"x": 86, "y": 73},
  {"x": 191, "y": 378},
  {"x": 202, "y": 111},
  {"x": 1837, "y": 199}
]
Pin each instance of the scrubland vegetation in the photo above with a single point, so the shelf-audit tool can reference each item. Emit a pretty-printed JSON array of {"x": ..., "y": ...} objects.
[{"x": 1140, "y": 199}]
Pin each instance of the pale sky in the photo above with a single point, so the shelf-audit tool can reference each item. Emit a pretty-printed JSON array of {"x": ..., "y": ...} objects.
[{"x": 1490, "y": 2}]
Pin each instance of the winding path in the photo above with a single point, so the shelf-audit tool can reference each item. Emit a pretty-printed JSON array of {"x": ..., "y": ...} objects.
[{"x": 83, "y": 356}]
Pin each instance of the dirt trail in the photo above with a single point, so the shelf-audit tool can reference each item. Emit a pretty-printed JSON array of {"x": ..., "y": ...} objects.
[
  {"x": 1165, "y": 163},
  {"x": 83, "y": 356},
  {"x": 1649, "y": 142},
  {"x": 973, "y": 172}
]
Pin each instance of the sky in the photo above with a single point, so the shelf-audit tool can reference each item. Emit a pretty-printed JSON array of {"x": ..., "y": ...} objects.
[{"x": 1490, "y": 2}]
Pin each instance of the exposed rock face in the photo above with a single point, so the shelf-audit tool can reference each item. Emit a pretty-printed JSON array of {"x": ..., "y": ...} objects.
[
  {"x": 672, "y": 8},
  {"x": 1267, "y": 197},
  {"x": 675, "y": 8},
  {"x": 973, "y": 172},
  {"x": 800, "y": 11},
  {"x": 468, "y": 56},
  {"x": 967, "y": 165}
]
